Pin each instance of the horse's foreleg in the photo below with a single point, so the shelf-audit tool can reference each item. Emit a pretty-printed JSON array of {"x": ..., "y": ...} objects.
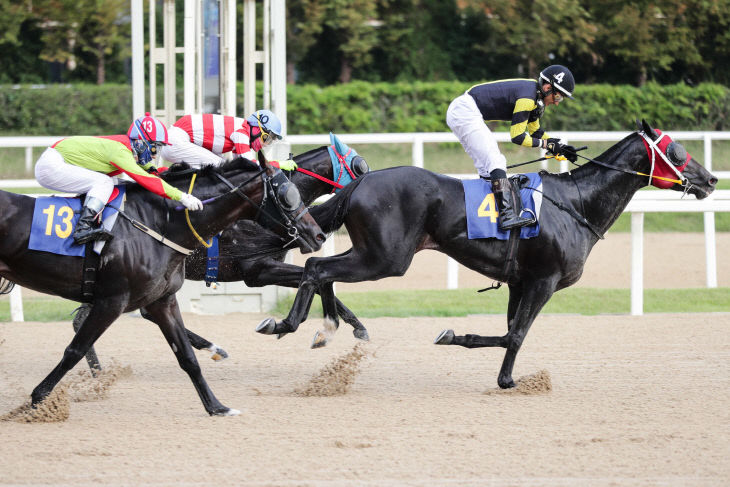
[
  {"x": 91, "y": 358},
  {"x": 273, "y": 272},
  {"x": 329, "y": 307},
  {"x": 515, "y": 296},
  {"x": 96, "y": 322},
  {"x": 534, "y": 297},
  {"x": 166, "y": 314}
]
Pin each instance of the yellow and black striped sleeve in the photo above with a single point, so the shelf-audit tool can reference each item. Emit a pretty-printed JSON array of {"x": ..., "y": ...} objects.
[
  {"x": 518, "y": 131},
  {"x": 533, "y": 128}
]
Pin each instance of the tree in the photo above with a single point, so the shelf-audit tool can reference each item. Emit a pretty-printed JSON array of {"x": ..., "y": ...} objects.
[{"x": 304, "y": 25}]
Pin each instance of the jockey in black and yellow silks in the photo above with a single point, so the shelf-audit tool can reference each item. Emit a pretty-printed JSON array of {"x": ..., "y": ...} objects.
[{"x": 521, "y": 102}]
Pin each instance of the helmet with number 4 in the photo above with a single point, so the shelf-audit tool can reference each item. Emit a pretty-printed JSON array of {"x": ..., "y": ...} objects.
[
  {"x": 560, "y": 78},
  {"x": 146, "y": 134}
]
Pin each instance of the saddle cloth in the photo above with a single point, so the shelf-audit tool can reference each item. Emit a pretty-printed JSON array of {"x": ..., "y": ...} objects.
[
  {"x": 55, "y": 217},
  {"x": 482, "y": 212}
]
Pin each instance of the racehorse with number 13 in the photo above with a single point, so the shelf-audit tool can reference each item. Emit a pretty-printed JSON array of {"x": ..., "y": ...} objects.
[
  {"x": 394, "y": 213},
  {"x": 136, "y": 268}
]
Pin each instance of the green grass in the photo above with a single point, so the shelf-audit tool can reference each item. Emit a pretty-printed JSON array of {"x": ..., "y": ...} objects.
[
  {"x": 41, "y": 309},
  {"x": 457, "y": 302},
  {"x": 463, "y": 302}
]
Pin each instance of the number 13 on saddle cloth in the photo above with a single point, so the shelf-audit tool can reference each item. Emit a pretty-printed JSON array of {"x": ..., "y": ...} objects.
[{"x": 482, "y": 212}]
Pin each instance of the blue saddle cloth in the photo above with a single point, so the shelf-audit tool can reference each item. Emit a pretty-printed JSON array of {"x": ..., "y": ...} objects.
[
  {"x": 54, "y": 220},
  {"x": 482, "y": 212}
]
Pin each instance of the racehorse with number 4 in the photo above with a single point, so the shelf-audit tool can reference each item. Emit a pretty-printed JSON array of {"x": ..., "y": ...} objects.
[{"x": 394, "y": 213}]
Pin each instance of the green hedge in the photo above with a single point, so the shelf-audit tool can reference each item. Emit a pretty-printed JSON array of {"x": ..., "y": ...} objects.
[{"x": 361, "y": 107}]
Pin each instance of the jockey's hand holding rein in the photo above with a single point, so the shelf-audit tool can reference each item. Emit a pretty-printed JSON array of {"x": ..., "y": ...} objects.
[{"x": 190, "y": 202}]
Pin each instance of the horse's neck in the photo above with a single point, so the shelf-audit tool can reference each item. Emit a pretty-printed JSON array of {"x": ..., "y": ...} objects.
[
  {"x": 311, "y": 188},
  {"x": 218, "y": 215},
  {"x": 599, "y": 193}
]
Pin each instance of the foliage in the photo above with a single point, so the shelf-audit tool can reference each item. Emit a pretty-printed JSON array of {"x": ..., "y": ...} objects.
[{"x": 361, "y": 107}]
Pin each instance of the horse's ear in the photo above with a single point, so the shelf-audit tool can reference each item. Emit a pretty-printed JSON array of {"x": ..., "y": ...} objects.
[
  {"x": 649, "y": 131},
  {"x": 638, "y": 125},
  {"x": 263, "y": 162}
]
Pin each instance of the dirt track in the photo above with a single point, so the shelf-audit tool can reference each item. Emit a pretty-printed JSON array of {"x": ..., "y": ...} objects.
[{"x": 633, "y": 401}]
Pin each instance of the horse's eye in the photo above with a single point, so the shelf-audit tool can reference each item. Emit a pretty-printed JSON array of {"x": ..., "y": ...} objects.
[{"x": 289, "y": 197}]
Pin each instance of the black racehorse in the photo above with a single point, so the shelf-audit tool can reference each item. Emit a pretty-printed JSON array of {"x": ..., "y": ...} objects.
[
  {"x": 394, "y": 213},
  {"x": 136, "y": 268},
  {"x": 250, "y": 253}
]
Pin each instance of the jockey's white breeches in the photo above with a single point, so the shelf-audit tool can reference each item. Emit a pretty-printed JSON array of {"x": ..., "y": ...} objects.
[
  {"x": 53, "y": 172},
  {"x": 182, "y": 150},
  {"x": 465, "y": 120}
]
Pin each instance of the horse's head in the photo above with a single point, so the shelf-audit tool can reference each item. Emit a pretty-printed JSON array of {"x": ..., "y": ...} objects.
[
  {"x": 671, "y": 166},
  {"x": 327, "y": 169},
  {"x": 284, "y": 212}
]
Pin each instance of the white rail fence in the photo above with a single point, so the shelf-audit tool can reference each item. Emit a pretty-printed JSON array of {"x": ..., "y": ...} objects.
[{"x": 642, "y": 202}]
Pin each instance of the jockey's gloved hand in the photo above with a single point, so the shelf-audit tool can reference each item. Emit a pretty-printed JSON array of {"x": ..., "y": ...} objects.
[
  {"x": 554, "y": 146},
  {"x": 570, "y": 153},
  {"x": 288, "y": 165},
  {"x": 191, "y": 202}
]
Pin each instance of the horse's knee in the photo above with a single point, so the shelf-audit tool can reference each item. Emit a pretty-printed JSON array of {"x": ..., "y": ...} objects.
[
  {"x": 189, "y": 365},
  {"x": 514, "y": 339}
]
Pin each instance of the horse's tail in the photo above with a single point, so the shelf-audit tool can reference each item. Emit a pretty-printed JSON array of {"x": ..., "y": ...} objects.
[{"x": 331, "y": 214}]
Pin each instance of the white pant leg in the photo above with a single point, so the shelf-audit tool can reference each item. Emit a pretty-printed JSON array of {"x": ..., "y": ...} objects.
[
  {"x": 465, "y": 120},
  {"x": 53, "y": 172},
  {"x": 182, "y": 150}
]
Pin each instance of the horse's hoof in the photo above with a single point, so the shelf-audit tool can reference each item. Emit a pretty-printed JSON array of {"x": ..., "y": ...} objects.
[
  {"x": 320, "y": 340},
  {"x": 266, "y": 327},
  {"x": 361, "y": 334},
  {"x": 226, "y": 412},
  {"x": 506, "y": 384},
  {"x": 218, "y": 354},
  {"x": 446, "y": 337}
]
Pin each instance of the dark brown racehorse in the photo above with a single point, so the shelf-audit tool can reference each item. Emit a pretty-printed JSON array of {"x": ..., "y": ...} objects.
[
  {"x": 394, "y": 213},
  {"x": 135, "y": 269}
]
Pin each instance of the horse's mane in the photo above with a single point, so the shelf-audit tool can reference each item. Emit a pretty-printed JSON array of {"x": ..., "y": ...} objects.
[{"x": 183, "y": 170}]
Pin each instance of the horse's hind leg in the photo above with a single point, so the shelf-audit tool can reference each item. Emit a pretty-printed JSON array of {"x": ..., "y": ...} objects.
[
  {"x": 97, "y": 321},
  {"x": 166, "y": 314},
  {"x": 534, "y": 297},
  {"x": 197, "y": 341},
  {"x": 91, "y": 357}
]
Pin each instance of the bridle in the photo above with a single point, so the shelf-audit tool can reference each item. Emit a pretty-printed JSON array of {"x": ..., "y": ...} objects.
[{"x": 653, "y": 148}]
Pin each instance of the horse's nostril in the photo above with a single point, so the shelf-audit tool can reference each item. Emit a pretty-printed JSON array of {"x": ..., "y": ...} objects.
[
  {"x": 321, "y": 237},
  {"x": 713, "y": 181}
]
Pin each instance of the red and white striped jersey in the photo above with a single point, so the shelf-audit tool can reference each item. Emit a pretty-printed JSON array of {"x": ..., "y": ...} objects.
[{"x": 217, "y": 133}]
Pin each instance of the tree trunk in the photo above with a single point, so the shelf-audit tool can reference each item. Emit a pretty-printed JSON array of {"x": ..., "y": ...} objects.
[
  {"x": 345, "y": 71},
  {"x": 290, "y": 72},
  {"x": 100, "y": 67}
]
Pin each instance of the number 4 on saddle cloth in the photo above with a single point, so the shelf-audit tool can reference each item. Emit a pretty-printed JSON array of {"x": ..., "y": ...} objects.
[
  {"x": 54, "y": 220},
  {"x": 482, "y": 212}
]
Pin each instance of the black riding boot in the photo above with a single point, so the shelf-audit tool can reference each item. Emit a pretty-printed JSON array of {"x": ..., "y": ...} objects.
[
  {"x": 88, "y": 227},
  {"x": 509, "y": 205}
]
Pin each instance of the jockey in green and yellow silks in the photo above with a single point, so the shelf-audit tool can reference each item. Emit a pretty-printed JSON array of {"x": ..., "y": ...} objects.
[{"x": 86, "y": 164}]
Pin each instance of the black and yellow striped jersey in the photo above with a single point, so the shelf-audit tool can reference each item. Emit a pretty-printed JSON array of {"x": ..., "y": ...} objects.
[{"x": 512, "y": 100}]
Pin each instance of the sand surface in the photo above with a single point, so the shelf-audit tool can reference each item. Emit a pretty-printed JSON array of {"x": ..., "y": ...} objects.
[
  {"x": 615, "y": 400},
  {"x": 608, "y": 400}
]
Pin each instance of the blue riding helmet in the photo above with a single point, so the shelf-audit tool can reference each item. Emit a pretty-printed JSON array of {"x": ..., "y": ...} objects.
[
  {"x": 146, "y": 134},
  {"x": 269, "y": 124}
]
